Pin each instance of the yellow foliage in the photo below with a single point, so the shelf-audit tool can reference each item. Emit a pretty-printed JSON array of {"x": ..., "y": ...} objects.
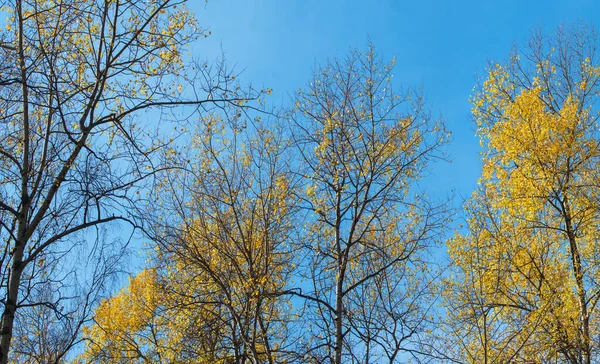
[
  {"x": 528, "y": 265},
  {"x": 211, "y": 298}
]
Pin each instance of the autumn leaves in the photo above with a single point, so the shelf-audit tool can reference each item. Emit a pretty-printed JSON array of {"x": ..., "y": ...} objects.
[
  {"x": 292, "y": 237},
  {"x": 526, "y": 288}
]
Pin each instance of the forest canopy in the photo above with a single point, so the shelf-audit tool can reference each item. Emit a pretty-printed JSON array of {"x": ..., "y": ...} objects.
[{"x": 308, "y": 233}]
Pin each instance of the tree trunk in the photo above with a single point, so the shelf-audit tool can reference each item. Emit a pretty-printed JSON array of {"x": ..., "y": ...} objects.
[
  {"x": 10, "y": 307},
  {"x": 581, "y": 292},
  {"x": 338, "y": 321},
  {"x": 14, "y": 279},
  {"x": 339, "y": 289}
]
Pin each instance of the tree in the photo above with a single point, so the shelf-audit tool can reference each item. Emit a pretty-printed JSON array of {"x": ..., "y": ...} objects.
[
  {"x": 526, "y": 287},
  {"x": 76, "y": 77},
  {"x": 361, "y": 148},
  {"x": 222, "y": 258}
]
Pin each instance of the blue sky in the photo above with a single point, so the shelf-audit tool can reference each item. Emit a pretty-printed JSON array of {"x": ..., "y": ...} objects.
[{"x": 440, "y": 46}]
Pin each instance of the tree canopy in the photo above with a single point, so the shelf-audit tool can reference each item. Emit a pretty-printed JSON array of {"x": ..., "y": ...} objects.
[
  {"x": 528, "y": 263},
  {"x": 296, "y": 234}
]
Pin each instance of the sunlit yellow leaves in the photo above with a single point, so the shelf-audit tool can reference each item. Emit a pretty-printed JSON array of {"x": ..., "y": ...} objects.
[
  {"x": 529, "y": 258},
  {"x": 530, "y": 148},
  {"x": 120, "y": 321},
  {"x": 223, "y": 261}
]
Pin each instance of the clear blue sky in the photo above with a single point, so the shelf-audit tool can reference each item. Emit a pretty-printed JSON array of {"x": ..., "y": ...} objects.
[{"x": 440, "y": 46}]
